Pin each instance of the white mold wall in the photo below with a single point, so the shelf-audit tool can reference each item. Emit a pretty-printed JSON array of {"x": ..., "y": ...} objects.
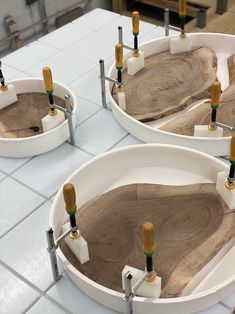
[{"x": 24, "y": 18}]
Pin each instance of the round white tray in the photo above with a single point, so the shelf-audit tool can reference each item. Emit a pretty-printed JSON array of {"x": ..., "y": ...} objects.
[
  {"x": 147, "y": 163},
  {"x": 38, "y": 144},
  {"x": 224, "y": 46}
]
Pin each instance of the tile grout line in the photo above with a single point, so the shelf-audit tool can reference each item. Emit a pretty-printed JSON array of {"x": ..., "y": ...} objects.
[
  {"x": 226, "y": 306},
  {"x": 30, "y": 188},
  {"x": 118, "y": 142},
  {"x": 61, "y": 49},
  {"x": 88, "y": 118},
  {"x": 36, "y": 62},
  {"x": 30, "y": 158},
  {"x": 10, "y": 173},
  {"x": 32, "y": 286},
  {"x": 24, "y": 218},
  {"x": 22, "y": 278},
  {"x": 90, "y": 101},
  {"x": 31, "y": 304}
]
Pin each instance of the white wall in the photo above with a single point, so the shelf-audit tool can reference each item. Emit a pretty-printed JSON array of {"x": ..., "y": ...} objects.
[{"x": 21, "y": 12}]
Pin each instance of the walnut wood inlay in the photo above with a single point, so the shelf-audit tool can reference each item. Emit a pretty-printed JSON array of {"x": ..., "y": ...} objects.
[
  {"x": 184, "y": 124},
  {"x": 168, "y": 83},
  {"x": 23, "y": 118}
]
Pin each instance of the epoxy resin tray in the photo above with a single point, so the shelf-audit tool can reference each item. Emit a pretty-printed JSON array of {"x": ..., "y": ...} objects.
[
  {"x": 171, "y": 186},
  {"x": 150, "y": 132}
]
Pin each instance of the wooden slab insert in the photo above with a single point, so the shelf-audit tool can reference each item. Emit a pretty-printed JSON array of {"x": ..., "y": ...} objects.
[
  {"x": 184, "y": 124},
  {"x": 168, "y": 83}
]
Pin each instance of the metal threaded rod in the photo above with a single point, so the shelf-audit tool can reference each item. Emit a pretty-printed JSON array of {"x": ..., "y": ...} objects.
[
  {"x": 136, "y": 43},
  {"x": 73, "y": 222},
  {"x": 52, "y": 252},
  {"x": 119, "y": 76},
  {"x": 149, "y": 263},
  {"x": 51, "y": 101},
  {"x": 182, "y": 23},
  {"x": 2, "y": 80},
  {"x": 231, "y": 172},
  {"x": 213, "y": 115}
]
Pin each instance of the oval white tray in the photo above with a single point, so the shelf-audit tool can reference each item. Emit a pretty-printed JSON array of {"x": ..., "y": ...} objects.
[
  {"x": 147, "y": 163},
  {"x": 224, "y": 46},
  {"x": 38, "y": 144}
]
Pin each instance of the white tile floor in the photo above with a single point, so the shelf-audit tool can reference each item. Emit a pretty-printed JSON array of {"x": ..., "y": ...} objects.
[{"x": 28, "y": 185}]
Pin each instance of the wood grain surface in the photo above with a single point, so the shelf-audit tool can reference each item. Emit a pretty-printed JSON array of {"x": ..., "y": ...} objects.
[
  {"x": 168, "y": 83},
  {"x": 18, "y": 119},
  {"x": 184, "y": 124},
  {"x": 192, "y": 223}
]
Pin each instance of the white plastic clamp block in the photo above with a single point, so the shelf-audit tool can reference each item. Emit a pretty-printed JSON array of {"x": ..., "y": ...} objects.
[
  {"x": 135, "y": 64},
  {"x": 147, "y": 289},
  {"x": 121, "y": 100},
  {"x": 50, "y": 122},
  {"x": 8, "y": 97},
  {"x": 227, "y": 195},
  {"x": 178, "y": 45},
  {"x": 203, "y": 131},
  {"x": 78, "y": 246}
]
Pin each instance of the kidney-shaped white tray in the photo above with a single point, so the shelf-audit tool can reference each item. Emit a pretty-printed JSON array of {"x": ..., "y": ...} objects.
[
  {"x": 38, "y": 144},
  {"x": 149, "y": 163},
  {"x": 223, "y": 46}
]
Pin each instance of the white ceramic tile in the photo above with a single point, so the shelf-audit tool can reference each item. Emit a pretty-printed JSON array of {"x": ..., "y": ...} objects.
[
  {"x": 65, "y": 67},
  {"x": 10, "y": 164},
  {"x": 15, "y": 295},
  {"x": 29, "y": 55},
  {"x": 216, "y": 309},
  {"x": 128, "y": 140},
  {"x": 96, "y": 19},
  {"x": 230, "y": 301},
  {"x": 50, "y": 170},
  {"x": 16, "y": 201},
  {"x": 111, "y": 29},
  {"x": 44, "y": 306},
  {"x": 72, "y": 298},
  {"x": 93, "y": 47},
  {"x": 9, "y": 72},
  {"x": 2, "y": 175},
  {"x": 91, "y": 91},
  {"x": 155, "y": 33},
  {"x": 65, "y": 36},
  {"x": 99, "y": 133},
  {"x": 27, "y": 254},
  {"x": 85, "y": 110},
  {"x": 23, "y": 75}
]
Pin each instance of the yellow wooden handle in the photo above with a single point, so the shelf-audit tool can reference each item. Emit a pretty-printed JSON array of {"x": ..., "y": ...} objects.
[
  {"x": 215, "y": 93},
  {"x": 148, "y": 237},
  {"x": 70, "y": 198},
  {"x": 135, "y": 22},
  {"x": 47, "y": 77},
  {"x": 232, "y": 148},
  {"x": 119, "y": 56},
  {"x": 182, "y": 8}
]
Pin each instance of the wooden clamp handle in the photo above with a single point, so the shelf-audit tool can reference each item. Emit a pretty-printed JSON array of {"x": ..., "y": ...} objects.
[
  {"x": 232, "y": 149},
  {"x": 70, "y": 198},
  {"x": 119, "y": 56},
  {"x": 182, "y": 8},
  {"x": 135, "y": 22},
  {"x": 148, "y": 237},
  {"x": 47, "y": 77},
  {"x": 215, "y": 93}
]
